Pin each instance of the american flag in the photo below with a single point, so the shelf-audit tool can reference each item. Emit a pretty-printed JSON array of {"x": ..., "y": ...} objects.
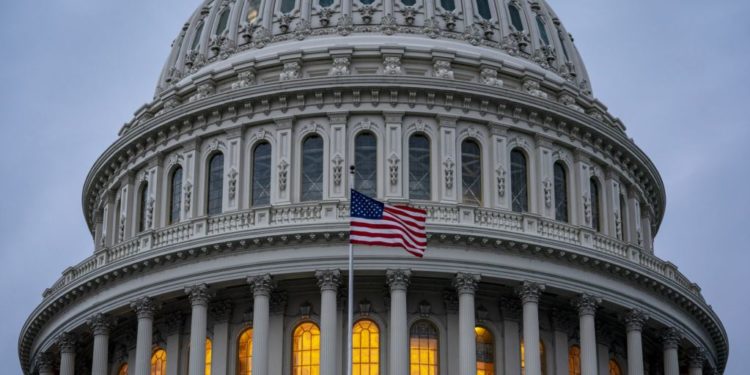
[{"x": 378, "y": 223}]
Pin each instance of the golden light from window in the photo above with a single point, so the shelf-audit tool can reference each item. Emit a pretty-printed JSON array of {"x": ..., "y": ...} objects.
[
  {"x": 245, "y": 353},
  {"x": 542, "y": 358},
  {"x": 614, "y": 368},
  {"x": 208, "y": 356},
  {"x": 423, "y": 348},
  {"x": 306, "y": 349},
  {"x": 365, "y": 348},
  {"x": 574, "y": 360},
  {"x": 123, "y": 369},
  {"x": 159, "y": 362},
  {"x": 485, "y": 351}
]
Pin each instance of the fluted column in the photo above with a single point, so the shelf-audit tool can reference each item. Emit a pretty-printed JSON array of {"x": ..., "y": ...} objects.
[
  {"x": 46, "y": 364},
  {"x": 466, "y": 286},
  {"x": 329, "y": 282},
  {"x": 100, "y": 325},
  {"x": 398, "y": 282},
  {"x": 530, "y": 293},
  {"x": 671, "y": 341},
  {"x": 67, "y": 344},
  {"x": 695, "y": 361},
  {"x": 586, "y": 306},
  {"x": 634, "y": 321},
  {"x": 199, "y": 297},
  {"x": 261, "y": 287},
  {"x": 144, "y": 308}
]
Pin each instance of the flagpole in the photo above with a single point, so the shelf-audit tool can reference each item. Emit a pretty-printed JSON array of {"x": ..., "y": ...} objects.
[{"x": 351, "y": 285}]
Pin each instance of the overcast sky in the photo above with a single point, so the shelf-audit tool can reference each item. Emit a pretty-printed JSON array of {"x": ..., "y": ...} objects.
[{"x": 675, "y": 71}]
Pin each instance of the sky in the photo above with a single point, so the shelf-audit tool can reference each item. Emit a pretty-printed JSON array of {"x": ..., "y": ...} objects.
[{"x": 675, "y": 71}]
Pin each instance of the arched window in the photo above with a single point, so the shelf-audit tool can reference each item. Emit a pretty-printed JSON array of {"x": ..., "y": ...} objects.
[
  {"x": 123, "y": 369},
  {"x": 365, "y": 348},
  {"x": 209, "y": 356},
  {"x": 175, "y": 196},
  {"x": 623, "y": 217},
  {"x": 287, "y": 6},
  {"x": 595, "y": 214},
  {"x": 419, "y": 167},
  {"x": 245, "y": 352},
  {"x": 159, "y": 362},
  {"x": 223, "y": 23},
  {"x": 574, "y": 360},
  {"x": 365, "y": 161},
  {"x": 325, "y": 3},
  {"x": 519, "y": 181},
  {"x": 143, "y": 207},
  {"x": 614, "y": 368},
  {"x": 483, "y": 8},
  {"x": 215, "y": 192},
  {"x": 423, "y": 348},
  {"x": 515, "y": 17},
  {"x": 253, "y": 10},
  {"x": 261, "y": 194},
  {"x": 306, "y": 349},
  {"x": 449, "y": 5},
  {"x": 542, "y": 29},
  {"x": 471, "y": 172},
  {"x": 118, "y": 213},
  {"x": 366, "y": 2},
  {"x": 561, "y": 35},
  {"x": 542, "y": 358},
  {"x": 561, "y": 193},
  {"x": 197, "y": 37},
  {"x": 312, "y": 168},
  {"x": 409, "y": 3},
  {"x": 485, "y": 351}
]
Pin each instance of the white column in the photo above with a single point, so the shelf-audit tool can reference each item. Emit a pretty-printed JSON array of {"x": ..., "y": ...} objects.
[
  {"x": 67, "y": 344},
  {"x": 511, "y": 311},
  {"x": 261, "y": 287},
  {"x": 671, "y": 341},
  {"x": 398, "y": 281},
  {"x": 100, "y": 325},
  {"x": 199, "y": 297},
  {"x": 529, "y": 293},
  {"x": 45, "y": 364},
  {"x": 144, "y": 309},
  {"x": 634, "y": 321},
  {"x": 696, "y": 359},
  {"x": 466, "y": 285},
  {"x": 329, "y": 282},
  {"x": 586, "y": 306}
]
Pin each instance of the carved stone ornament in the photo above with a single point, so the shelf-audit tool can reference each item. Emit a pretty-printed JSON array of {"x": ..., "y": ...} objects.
[
  {"x": 45, "y": 362},
  {"x": 545, "y": 56},
  {"x": 635, "y": 320},
  {"x": 586, "y": 304},
  {"x": 547, "y": 185},
  {"x": 150, "y": 212},
  {"x": 450, "y": 19},
  {"x": 393, "y": 163},
  {"x": 338, "y": 169},
  {"x": 221, "y": 311},
  {"x": 510, "y": 308},
  {"x": 474, "y": 35},
  {"x": 530, "y": 292},
  {"x": 174, "y": 323},
  {"x": 670, "y": 338},
  {"x": 261, "y": 37},
  {"x": 488, "y": 76},
  {"x": 66, "y": 341},
  {"x": 488, "y": 28},
  {"x": 570, "y": 102},
  {"x": 144, "y": 307},
  {"x": 410, "y": 14},
  {"x": 696, "y": 358},
  {"x": 261, "y": 285},
  {"x": 328, "y": 279},
  {"x": 283, "y": 173},
  {"x": 305, "y": 310},
  {"x": 466, "y": 283},
  {"x": 303, "y": 29},
  {"x": 232, "y": 183},
  {"x": 392, "y": 65},
  {"x": 278, "y": 302},
  {"x": 198, "y": 294},
  {"x": 388, "y": 24},
  {"x": 325, "y": 16},
  {"x": 398, "y": 279},
  {"x": 533, "y": 88},
  {"x": 618, "y": 225},
  {"x": 425, "y": 309},
  {"x": 188, "y": 191},
  {"x": 500, "y": 181},
  {"x": 442, "y": 69},
  {"x": 340, "y": 67},
  {"x": 291, "y": 71},
  {"x": 449, "y": 164},
  {"x": 366, "y": 12},
  {"x": 587, "y": 208},
  {"x": 568, "y": 71},
  {"x": 100, "y": 324},
  {"x": 121, "y": 229},
  {"x": 515, "y": 43},
  {"x": 244, "y": 79},
  {"x": 345, "y": 25},
  {"x": 431, "y": 27},
  {"x": 284, "y": 21}
]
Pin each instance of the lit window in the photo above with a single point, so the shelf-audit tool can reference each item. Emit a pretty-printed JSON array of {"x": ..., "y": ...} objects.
[
  {"x": 485, "y": 351},
  {"x": 143, "y": 207},
  {"x": 574, "y": 360},
  {"x": 159, "y": 362},
  {"x": 262, "y": 174},
  {"x": 614, "y": 368},
  {"x": 542, "y": 358},
  {"x": 245, "y": 352},
  {"x": 175, "y": 196},
  {"x": 519, "y": 181},
  {"x": 287, "y": 6},
  {"x": 123, "y": 369},
  {"x": 423, "y": 348},
  {"x": 253, "y": 11},
  {"x": 209, "y": 355},
  {"x": 595, "y": 214},
  {"x": 312, "y": 168},
  {"x": 515, "y": 17},
  {"x": 542, "y": 30},
  {"x": 215, "y": 184},
  {"x": 223, "y": 24},
  {"x": 365, "y": 160},
  {"x": 561, "y": 193},
  {"x": 365, "y": 348},
  {"x": 471, "y": 172},
  {"x": 419, "y": 167},
  {"x": 306, "y": 349}
]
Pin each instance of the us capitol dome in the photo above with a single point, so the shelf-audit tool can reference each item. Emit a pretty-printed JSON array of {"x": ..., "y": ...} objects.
[{"x": 220, "y": 213}]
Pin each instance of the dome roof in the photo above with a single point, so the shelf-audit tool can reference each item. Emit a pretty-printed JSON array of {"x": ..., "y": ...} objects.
[{"x": 521, "y": 33}]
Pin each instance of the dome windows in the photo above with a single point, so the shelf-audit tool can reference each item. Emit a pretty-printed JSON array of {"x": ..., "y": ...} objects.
[
  {"x": 143, "y": 207},
  {"x": 595, "y": 209},
  {"x": 261, "y": 175},
  {"x": 197, "y": 37},
  {"x": 449, "y": 5},
  {"x": 543, "y": 36},
  {"x": 306, "y": 349},
  {"x": 419, "y": 167},
  {"x": 175, "y": 196},
  {"x": 471, "y": 172},
  {"x": 287, "y": 6},
  {"x": 223, "y": 24},
  {"x": 366, "y": 163},
  {"x": 483, "y": 8},
  {"x": 519, "y": 181},
  {"x": 312, "y": 169},
  {"x": 561, "y": 192},
  {"x": 515, "y": 16},
  {"x": 215, "y": 191}
]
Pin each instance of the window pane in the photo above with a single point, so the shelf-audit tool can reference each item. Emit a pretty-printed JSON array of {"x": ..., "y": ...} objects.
[
  {"x": 595, "y": 217},
  {"x": 245, "y": 353},
  {"x": 253, "y": 10},
  {"x": 574, "y": 360},
  {"x": 365, "y": 348},
  {"x": 519, "y": 181},
  {"x": 143, "y": 207},
  {"x": 306, "y": 349},
  {"x": 419, "y": 167},
  {"x": 483, "y": 7},
  {"x": 485, "y": 351},
  {"x": 561, "y": 193},
  {"x": 623, "y": 217},
  {"x": 365, "y": 161},
  {"x": 562, "y": 43},
  {"x": 312, "y": 169},
  {"x": 159, "y": 362},
  {"x": 409, "y": 2},
  {"x": 223, "y": 22},
  {"x": 471, "y": 172},
  {"x": 287, "y": 6},
  {"x": 262, "y": 174},
  {"x": 542, "y": 30},
  {"x": 215, "y": 184},
  {"x": 423, "y": 349},
  {"x": 515, "y": 17},
  {"x": 325, "y": 3},
  {"x": 175, "y": 202},
  {"x": 197, "y": 37},
  {"x": 123, "y": 369},
  {"x": 449, "y": 5}
]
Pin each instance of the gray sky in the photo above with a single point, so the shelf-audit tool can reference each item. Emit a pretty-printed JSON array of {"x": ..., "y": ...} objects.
[{"x": 675, "y": 71}]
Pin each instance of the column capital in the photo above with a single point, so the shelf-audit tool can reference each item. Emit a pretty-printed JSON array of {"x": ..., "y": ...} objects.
[
  {"x": 466, "y": 283},
  {"x": 99, "y": 324},
  {"x": 398, "y": 279},
  {"x": 670, "y": 338},
  {"x": 198, "y": 294},
  {"x": 66, "y": 341},
  {"x": 697, "y": 357},
  {"x": 328, "y": 279},
  {"x": 261, "y": 285},
  {"x": 530, "y": 292},
  {"x": 144, "y": 307},
  {"x": 586, "y": 304},
  {"x": 45, "y": 362},
  {"x": 635, "y": 319}
]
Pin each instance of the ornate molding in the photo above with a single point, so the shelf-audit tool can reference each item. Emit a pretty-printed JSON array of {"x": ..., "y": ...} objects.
[
  {"x": 635, "y": 319},
  {"x": 144, "y": 307},
  {"x": 261, "y": 285},
  {"x": 328, "y": 279},
  {"x": 198, "y": 294},
  {"x": 45, "y": 362},
  {"x": 670, "y": 338},
  {"x": 398, "y": 279},
  {"x": 66, "y": 341},
  {"x": 586, "y": 304},
  {"x": 696, "y": 358},
  {"x": 221, "y": 311},
  {"x": 100, "y": 324},
  {"x": 510, "y": 309},
  {"x": 530, "y": 292},
  {"x": 466, "y": 283}
]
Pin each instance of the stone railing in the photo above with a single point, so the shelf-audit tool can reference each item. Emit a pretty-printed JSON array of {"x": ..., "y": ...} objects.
[{"x": 290, "y": 217}]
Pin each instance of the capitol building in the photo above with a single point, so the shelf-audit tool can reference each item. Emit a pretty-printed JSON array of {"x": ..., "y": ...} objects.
[{"x": 220, "y": 214}]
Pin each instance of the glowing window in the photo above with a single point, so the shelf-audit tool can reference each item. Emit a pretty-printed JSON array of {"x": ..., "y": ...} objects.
[
  {"x": 175, "y": 196},
  {"x": 595, "y": 214},
  {"x": 143, "y": 201},
  {"x": 423, "y": 348},
  {"x": 312, "y": 168},
  {"x": 365, "y": 348},
  {"x": 365, "y": 160},
  {"x": 209, "y": 355},
  {"x": 614, "y": 368},
  {"x": 519, "y": 181},
  {"x": 574, "y": 360},
  {"x": 123, "y": 369},
  {"x": 245, "y": 353},
  {"x": 159, "y": 362},
  {"x": 306, "y": 349},
  {"x": 215, "y": 184},
  {"x": 485, "y": 351},
  {"x": 471, "y": 172},
  {"x": 561, "y": 193},
  {"x": 515, "y": 17},
  {"x": 542, "y": 358},
  {"x": 253, "y": 11},
  {"x": 419, "y": 167},
  {"x": 262, "y": 174}
]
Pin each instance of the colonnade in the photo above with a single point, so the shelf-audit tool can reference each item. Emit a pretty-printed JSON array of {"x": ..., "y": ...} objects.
[{"x": 398, "y": 281}]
